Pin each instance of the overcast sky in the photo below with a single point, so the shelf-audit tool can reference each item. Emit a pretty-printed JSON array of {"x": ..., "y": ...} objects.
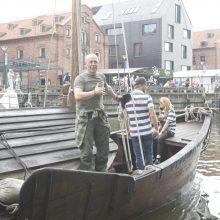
[{"x": 204, "y": 14}]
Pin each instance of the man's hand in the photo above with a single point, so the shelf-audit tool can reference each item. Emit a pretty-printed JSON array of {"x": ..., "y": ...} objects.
[
  {"x": 118, "y": 98},
  {"x": 99, "y": 90}
]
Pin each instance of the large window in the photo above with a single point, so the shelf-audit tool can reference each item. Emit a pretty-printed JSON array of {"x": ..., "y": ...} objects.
[
  {"x": 186, "y": 33},
  {"x": 68, "y": 32},
  {"x": 168, "y": 47},
  {"x": 20, "y": 54},
  {"x": 112, "y": 31},
  {"x": 202, "y": 58},
  {"x": 178, "y": 14},
  {"x": 183, "y": 52},
  {"x": 149, "y": 29},
  {"x": 112, "y": 50},
  {"x": 42, "y": 52},
  {"x": 170, "y": 33},
  {"x": 98, "y": 38},
  {"x": 169, "y": 65},
  {"x": 138, "y": 49},
  {"x": 84, "y": 38}
]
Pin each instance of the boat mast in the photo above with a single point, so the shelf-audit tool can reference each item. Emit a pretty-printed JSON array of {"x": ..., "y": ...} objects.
[{"x": 76, "y": 43}]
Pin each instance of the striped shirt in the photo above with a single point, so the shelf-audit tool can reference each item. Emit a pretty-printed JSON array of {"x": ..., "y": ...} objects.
[
  {"x": 171, "y": 117},
  {"x": 138, "y": 113}
]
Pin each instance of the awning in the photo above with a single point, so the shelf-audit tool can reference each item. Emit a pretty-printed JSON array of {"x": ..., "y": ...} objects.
[{"x": 25, "y": 66}]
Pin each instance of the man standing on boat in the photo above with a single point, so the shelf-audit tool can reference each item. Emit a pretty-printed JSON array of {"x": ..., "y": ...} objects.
[
  {"x": 141, "y": 115},
  {"x": 91, "y": 121}
]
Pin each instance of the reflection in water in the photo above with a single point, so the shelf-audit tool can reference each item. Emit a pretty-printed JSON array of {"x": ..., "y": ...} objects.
[{"x": 202, "y": 201}]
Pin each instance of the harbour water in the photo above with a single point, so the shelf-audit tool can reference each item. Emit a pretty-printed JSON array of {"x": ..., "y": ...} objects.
[{"x": 203, "y": 200}]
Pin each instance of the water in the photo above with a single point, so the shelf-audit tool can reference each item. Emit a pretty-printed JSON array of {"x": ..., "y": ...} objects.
[{"x": 203, "y": 200}]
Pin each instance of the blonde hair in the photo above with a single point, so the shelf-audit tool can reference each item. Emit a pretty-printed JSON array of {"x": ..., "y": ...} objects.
[{"x": 167, "y": 104}]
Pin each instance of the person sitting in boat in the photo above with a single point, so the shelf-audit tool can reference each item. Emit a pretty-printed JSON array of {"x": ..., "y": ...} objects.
[
  {"x": 168, "y": 127},
  {"x": 141, "y": 116},
  {"x": 91, "y": 121}
]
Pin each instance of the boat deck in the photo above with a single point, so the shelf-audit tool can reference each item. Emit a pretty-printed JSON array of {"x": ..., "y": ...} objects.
[
  {"x": 185, "y": 133},
  {"x": 39, "y": 137}
]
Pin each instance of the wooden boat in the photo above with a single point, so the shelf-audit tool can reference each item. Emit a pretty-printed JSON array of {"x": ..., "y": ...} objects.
[{"x": 65, "y": 194}]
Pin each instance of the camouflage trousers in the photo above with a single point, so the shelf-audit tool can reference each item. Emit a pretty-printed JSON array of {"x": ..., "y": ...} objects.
[{"x": 93, "y": 128}]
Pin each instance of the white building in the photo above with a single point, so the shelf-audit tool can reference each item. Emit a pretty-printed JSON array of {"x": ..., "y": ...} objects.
[{"x": 209, "y": 78}]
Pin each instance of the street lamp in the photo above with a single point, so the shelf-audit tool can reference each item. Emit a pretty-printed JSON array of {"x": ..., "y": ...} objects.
[{"x": 4, "y": 49}]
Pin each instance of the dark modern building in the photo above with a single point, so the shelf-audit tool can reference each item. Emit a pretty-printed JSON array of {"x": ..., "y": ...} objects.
[{"x": 157, "y": 33}]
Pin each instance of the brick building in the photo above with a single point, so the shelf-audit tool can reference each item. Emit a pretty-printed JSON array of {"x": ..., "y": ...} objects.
[
  {"x": 206, "y": 49},
  {"x": 47, "y": 40}
]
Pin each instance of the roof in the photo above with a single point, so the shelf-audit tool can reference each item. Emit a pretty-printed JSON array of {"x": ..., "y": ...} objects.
[
  {"x": 23, "y": 66},
  {"x": 132, "y": 11},
  {"x": 206, "y": 39},
  {"x": 30, "y": 29}
]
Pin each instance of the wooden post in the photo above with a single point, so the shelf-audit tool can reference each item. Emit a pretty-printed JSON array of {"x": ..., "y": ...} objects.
[{"x": 76, "y": 45}]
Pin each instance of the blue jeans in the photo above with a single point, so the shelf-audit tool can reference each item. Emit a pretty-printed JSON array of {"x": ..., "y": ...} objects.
[{"x": 147, "y": 145}]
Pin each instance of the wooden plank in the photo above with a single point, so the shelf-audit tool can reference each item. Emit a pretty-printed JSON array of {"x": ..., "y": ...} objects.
[
  {"x": 31, "y": 124},
  {"x": 185, "y": 132},
  {"x": 44, "y": 159},
  {"x": 35, "y": 118},
  {"x": 33, "y": 111}
]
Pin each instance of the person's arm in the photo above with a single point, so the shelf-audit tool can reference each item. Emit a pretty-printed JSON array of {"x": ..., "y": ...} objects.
[
  {"x": 154, "y": 121},
  {"x": 164, "y": 128},
  {"x": 112, "y": 93},
  {"x": 81, "y": 95}
]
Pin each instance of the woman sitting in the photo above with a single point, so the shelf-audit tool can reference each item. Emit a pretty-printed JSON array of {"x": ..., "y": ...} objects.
[{"x": 168, "y": 127}]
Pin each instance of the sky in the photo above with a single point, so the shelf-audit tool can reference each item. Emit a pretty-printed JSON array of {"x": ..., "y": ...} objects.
[{"x": 204, "y": 14}]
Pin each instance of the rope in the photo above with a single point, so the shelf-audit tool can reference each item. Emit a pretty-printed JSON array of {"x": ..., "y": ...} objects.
[
  {"x": 14, "y": 154},
  {"x": 125, "y": 142},
  {"x": 195, "y": 113}
]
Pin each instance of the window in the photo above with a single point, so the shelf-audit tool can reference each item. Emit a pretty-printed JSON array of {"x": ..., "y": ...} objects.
[
  {"x": 97, "y": 38},
  {"x": 186, "y": 33},
  {"x": 112, "y": 50},
  {"x": 112, "y": 31},
  {"x": 24, "y": 31},
  {"x": 12, "y": 26},
  {"x": 185, "y": 68},
  {"x": 20, "y": 54},
  {"x": 2, "y": 34},
  {"x": 210, "y": 35},
  {"x": 36, "y": 22},
  {"x": 170, "y": 33},
  {"x": 42, "y": 52},
  {"x": 98, "y": 54},
  {"x": 68, "y": 52},
  {"x": 68, "y": 32},
  {"x": 149, "y": 29},
  {"x": 183, "y": 52},
  {"x": 178, "y": 14},
  {"x": 84, "y": 37},
  {"x": 204, "y": 43},
  {"x": 45, "y": 28},
  {"x": 194, "y": 60},
  {"x": 169, "y": 65},
  {"x": 168, "y": 47},
  {"x": 138, "y": 49},
  {"x": 83, "y": 19},
  {"x": 202, "y": 58},
  {"x": 58, "y": 18}
]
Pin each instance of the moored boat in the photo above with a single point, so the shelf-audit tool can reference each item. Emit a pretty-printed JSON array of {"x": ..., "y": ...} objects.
[{"x": 67, "y": 194}]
